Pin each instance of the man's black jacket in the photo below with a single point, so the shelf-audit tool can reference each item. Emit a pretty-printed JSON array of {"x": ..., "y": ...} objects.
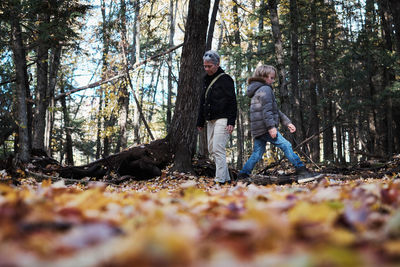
[{"x": 220, "y": 101}]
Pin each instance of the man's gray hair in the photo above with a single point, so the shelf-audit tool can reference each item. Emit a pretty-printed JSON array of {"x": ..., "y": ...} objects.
[{"x": 212, "y": 56}]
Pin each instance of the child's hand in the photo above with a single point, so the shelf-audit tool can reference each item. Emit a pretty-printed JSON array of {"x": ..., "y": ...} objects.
[
  {"x": 273, "y": 132},
  {"x": 291, "y": 128}
]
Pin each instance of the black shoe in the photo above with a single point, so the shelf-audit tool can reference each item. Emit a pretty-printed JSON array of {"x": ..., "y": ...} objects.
[
  {"x": 242, "y": 176},
  {"x": 304, "y": 176}
]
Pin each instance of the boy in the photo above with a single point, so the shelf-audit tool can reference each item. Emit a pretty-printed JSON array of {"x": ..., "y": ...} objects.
[{"x": 264, "y": 118}]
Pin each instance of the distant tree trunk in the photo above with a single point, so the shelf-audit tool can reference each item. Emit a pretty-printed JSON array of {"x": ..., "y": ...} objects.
[
  {"x": 221, "y": 36},
  {"x": 314, "y": 119},
  {"x": 21, "y": 89},
  {"x": 260, "y": 27},
  {"x": 328, "y": 17},
  {"x": 294, "y": 68},
  {"x": 54, "y": 66},
  {"x": 41, "y": 97},
  {"x": 136, "y": 36},
  {"x": 183, "y": 127},
  {"x": 328, "y": 133},
  {"x": 99, "y": 119},
  {"x": 338, "y": 134},
  {"x": 108, "y": 119},
  {"x": 67, "y": 126},
  {"x": 388, "y": 73},
  {"x": 170, "y": 78},
  {"x": 151, "y": 111},
  {"x": 238, "y": 67},
  {"x": 394, "y": 7},
  {"x": 352, "y": 144},
  {"x": 276, "y": 33},
  {"x": 211, "y": 25},
  {"x": 371, "y": 89},
  {"x": 123, "y": 99}
]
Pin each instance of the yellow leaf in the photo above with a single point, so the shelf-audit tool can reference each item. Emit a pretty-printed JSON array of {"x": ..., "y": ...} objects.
[{"x": 312, "y": 213}]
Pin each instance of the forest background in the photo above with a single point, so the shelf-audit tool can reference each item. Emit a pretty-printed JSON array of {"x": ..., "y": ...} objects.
[{"x": 82, "y": 80}]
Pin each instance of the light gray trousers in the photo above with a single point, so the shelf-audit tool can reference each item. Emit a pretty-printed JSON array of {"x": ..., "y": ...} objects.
[{"x": 217, "y": 137}]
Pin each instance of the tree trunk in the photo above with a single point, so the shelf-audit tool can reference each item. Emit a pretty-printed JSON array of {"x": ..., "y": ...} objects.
[
  {"x": 328, "y": 17},
  {"x": 238, "y": 67},
  {"x": 69, "y": 160},
  {"x": 260, "y": 28},
  {"x": 21, "y": 90},
  {"x": 203, "y": 150},
  {"x": 123, "y": 99},
  {"x": 276, "y": 33},
  {"x": 294, "y": 69},
  {"x": 388, "y": 73},
  {"x": 314, "y": 119},
  {"x": 182, "y": 135},
  {"x": 136, "y": 36},
  {"x": 107, "y": 116},
  {"x": 123, "y": 105},
  {"x": 54, "y": 66},
  {"x": 211, "y": 25},
  {"x": 394, "y": 7},
  {"x": 41, "y": 95},
  {"x": 99, "y": 117},
  {"x": 371, "y": 90},
  {"x": 170, "y": 78}
]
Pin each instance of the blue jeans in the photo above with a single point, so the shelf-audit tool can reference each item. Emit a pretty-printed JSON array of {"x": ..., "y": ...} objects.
[{"x": 259, "y": 150}]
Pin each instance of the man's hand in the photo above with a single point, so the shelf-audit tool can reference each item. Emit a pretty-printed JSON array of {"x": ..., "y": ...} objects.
[
  {"x": 291, "y": 128},
  {"x": 229, "y": 129},
  {"x": 199, "y": 128},
  {"x": 273, "y": 132}
]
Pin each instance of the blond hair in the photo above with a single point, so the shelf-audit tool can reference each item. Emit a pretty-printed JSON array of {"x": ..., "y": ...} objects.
[{"x": 263, "y": 71}]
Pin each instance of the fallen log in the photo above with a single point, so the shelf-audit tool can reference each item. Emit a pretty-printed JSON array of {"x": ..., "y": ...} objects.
[{"x": 142, "y": 162}]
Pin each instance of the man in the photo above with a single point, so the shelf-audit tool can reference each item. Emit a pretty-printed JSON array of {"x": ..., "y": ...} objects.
[{"x": 218, "y": 109}]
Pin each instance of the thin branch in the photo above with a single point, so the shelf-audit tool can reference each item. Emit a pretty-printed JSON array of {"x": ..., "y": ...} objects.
[{"x": 117, "y": 76}]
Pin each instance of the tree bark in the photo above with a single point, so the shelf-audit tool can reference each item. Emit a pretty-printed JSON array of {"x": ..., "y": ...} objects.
[
  {"x": 388, "y": 73},
  {"x": 136, "y": 36},
  {"x": 314, "y": 119},
  {"x": 210, "y": 33},
  {"x": 371, "y": 89},
  {"x": 21, "y": 89},
  {"x": 294, "y": 68},
  {"x": 123, "y": 99},
  {"x": 260, "y": 28},
  {"x": 238, "y": 67},
  {"x": 68, "y": 147},
  {"x": 41, "y": 94},
  {"x": 394, "y": 7},
  {"x": 276, "y": 33},
  {"x": 107, "y": 116},
  {"x": 170, "y": 78},
  {"x": 54, "y": 66},
  {"x": 182, "y": 135},
  {"x": 328, "y": 21}
]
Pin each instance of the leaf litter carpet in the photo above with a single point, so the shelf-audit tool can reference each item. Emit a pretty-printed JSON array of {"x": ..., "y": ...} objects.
[{"x": 183, "y": 220}]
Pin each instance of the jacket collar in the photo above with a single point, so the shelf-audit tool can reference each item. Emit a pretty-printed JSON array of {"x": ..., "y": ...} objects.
[
  {"x": 255, "y": 79},
  {"x": 208, "y": 78}
]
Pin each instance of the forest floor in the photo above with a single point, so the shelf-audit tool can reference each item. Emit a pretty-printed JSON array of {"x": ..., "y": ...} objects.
[{"x": 351, "y": 217}]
